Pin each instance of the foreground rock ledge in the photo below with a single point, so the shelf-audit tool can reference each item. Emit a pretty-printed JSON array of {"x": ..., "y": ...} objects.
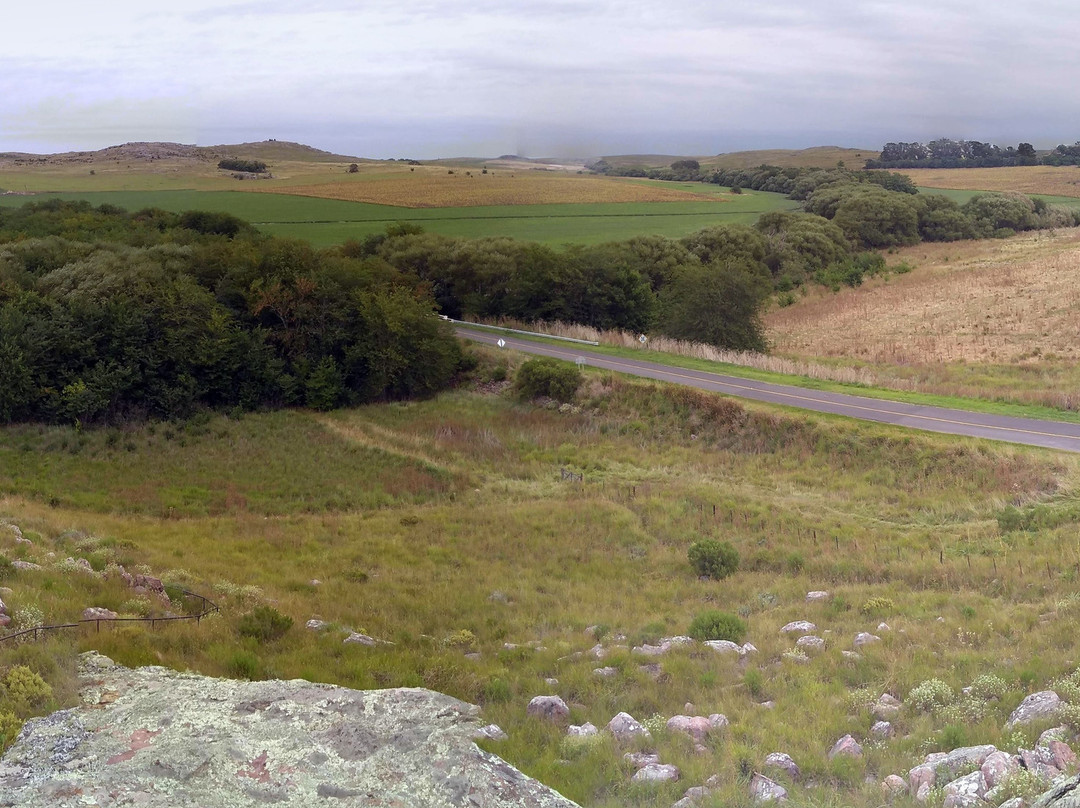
[{"x": 154, "y": 737}]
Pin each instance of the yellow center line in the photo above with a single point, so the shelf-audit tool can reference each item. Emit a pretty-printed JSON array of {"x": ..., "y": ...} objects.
[{"x": 796, "y": 397}]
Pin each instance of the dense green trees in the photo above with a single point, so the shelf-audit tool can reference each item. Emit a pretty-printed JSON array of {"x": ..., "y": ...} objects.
[
  {"x": 239, "y": 164},
  {"x": 187, "y": 316}
]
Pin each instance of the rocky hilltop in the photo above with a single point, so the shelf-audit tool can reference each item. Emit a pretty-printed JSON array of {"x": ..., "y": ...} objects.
[{"x": 153, "y": 737}]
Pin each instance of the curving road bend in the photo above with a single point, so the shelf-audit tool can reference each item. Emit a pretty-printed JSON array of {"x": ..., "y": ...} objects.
[{"x": 1027, "y": 431}]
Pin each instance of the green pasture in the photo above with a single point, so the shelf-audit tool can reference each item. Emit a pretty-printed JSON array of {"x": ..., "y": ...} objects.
[
  {"x": 325, "y": 222},
  {"x": 962, "y": 196}
]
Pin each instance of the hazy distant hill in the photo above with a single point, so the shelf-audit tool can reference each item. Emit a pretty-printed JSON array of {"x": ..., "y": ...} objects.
[{"x": 279, "y": 150}]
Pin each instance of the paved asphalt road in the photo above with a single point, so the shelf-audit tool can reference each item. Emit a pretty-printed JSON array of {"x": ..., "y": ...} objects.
[{"x": 1029, "y": 431}]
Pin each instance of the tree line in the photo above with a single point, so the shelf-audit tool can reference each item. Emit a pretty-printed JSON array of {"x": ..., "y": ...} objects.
[{"x": 948, "y": 153}]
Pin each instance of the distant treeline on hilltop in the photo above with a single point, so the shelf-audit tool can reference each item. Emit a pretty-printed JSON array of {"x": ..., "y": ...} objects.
[{"x": 947, "y": 153}]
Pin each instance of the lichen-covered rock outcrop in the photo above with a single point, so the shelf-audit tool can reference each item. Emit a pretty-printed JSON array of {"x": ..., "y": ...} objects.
[{"x": 153, "y": 737}]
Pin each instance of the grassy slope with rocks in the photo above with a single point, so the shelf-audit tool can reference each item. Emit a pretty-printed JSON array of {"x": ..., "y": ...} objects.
[{"x": 966, "y": 549}]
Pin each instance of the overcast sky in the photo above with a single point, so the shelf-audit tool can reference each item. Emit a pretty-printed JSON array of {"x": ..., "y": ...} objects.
[{"x": 439, "y": 78}]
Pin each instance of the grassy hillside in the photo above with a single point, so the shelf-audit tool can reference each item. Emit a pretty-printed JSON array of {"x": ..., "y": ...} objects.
[
  {"x": 992, "y": 319},
  {"x": 476, "y": 541},
  {"x": 1061, "y": 181}
]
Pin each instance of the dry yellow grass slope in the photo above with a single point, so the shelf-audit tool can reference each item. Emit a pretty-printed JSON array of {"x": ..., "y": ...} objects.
[
  {"x": 429, "y": 188},
  {"x": 1010, "y": 301},
  {"x": 1053, "y": 180}
]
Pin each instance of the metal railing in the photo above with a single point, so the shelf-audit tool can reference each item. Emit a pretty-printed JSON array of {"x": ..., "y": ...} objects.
[{"x": 207, "y": 607}]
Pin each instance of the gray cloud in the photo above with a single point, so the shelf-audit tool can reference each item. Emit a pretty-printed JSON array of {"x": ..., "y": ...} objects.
[{"x": 427, "y": 77}]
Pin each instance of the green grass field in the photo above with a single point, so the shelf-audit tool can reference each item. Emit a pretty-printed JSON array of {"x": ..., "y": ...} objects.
[
  {"x": 962, "y": 196},
  {"x": 326, "y": 222},
  {"x": 906, "y": 528}
]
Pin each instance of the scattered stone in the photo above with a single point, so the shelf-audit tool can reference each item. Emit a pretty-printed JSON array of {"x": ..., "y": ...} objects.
[
  {"x": 1042, "y": 705},
  {"x": 783, "y": 761},
  {"x": 171, "y": 739},
  {"x": 314, "y": 582},
  {"x": 881, "y": 729},
  {"x": 846, "y": 746},
  {"x": 865, "y": 638},
  {"x": 798, "y": 657},
  {"x": 606, "y": 672},
  {"x": 1064, "y": 757},
  {"x": 656, "y": 773},
  {"x": 1040, "y": 762},
  {"x": 361, "y": 639},
  {"x": 724, "y": 647},
  {"x": 597, "y": 651},
  {"x": 887, "y": 706},
  {"x": 551, "y": 681},
  {"x": 582, "y": 730},
  {"x": 998, "y": 767},
  {"x": 1052, "y": 734},
  {"x": 816, "y": 596},
  {"x": 474, "y": 656},
  {"x": 640, "y": 760},
  {"x": 1015, "y": 802},
  {"x": 950, "y": 764},
  {"x": 493, "y": 732},
  {"x": 696, "y": 726},
  {"x": 766, "y": 705},
  {"x": 923, "y": 794},
  {"x": 799, "y": 627},
  {"x": 718, "y": 721},
  {"x": 149, "y": 582},
  {"x": 19, "y": 564},
  {"x": 98, "y": 613},
  {"x": 317, "y": 625},
  {"x": 652, "y": 669},
  {"x": 894, "y": 785},
  {"x": 762, "y": 789},
  {"x": 498, "y": 597},
  {"x": 548, "y": 708},
  {"x": 625, "y": 728},
  {"x": 693, "y": 796},
  {"x": 852, "y": 655},
  {"x": 5, "y": 620},
  {"x": 3, "y": 608},
  {"x": 749, "y": 649},
  {"x": 809, "y": 642},
  {"x": 965, "y": 791},
  {"x": 883, "y": 627}
]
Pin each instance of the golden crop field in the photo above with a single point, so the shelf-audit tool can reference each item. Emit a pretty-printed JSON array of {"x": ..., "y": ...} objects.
[
  {"x": 1000, "y": 301},
  {"x": 469, "y": 187},
  {"x": 1052, "y": 180}
]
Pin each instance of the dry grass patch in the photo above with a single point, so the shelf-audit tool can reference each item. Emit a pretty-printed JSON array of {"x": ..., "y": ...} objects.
[
  {"x": 999, "y": 301},
  {"x": 1052, "y": 180},
  {"x": 431, "y": 189}
]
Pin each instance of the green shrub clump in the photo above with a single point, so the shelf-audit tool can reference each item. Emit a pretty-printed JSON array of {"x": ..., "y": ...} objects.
[
  {"x": 717, "y": 625},
  {"x": 878, "y": 606},
  {"x": 931, "y": 695},
  {"x": 713, "y": 559},
  {"x": 264, "y": 623},
  {"x": 548, "y": 377}
]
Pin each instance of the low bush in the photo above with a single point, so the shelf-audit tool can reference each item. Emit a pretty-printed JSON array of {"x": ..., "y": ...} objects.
[
  {"x": 548, "y": 377},
  {"x": 717, "y": 625},
  {"x": 713, "y": 559},
  {"x": 264, "y": 623},
  {"x": 930, "y": 696},
  {"x": 878, "y": 606}
]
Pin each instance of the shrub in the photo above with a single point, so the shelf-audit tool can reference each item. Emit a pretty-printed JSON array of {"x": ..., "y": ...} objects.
[
  {"x": 243, "y": 665},
  {"x": 717, "y": 625},
  {"x": 878, "y": 606},
  {"x": 496, "y": 691},
  {"x": 755, "y": 683},
  {"x": 265, "y": 623},
  {"x": 462, "y": 638},
  {"x": 931, "y": 695},
  {"x": 23, "y": 690},
  {"x": 988, "y": 686},
  {"x": 548, "y": 377},
  {"x": 712, "y": 558},
  {"x": 7, "y": 569}
]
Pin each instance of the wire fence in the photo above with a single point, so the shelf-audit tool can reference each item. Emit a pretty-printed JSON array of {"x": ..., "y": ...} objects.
[{"x": 206, "y": 607}]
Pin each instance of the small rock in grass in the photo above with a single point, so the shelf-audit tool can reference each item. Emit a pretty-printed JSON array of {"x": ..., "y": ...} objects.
[
  {"x": 799, "y": 627},
  {"x": 492, "y": 732},
  {"x": 852, "y": 655},
  {"x": 762, "y": 789},
  {"x": 19, "y": 564},
  {"x": 5, "y": 620},
  {"x": 640, "y": 760},
  {"x": 766, "y": 705},
  {"x": 998, "y": 767},
  {"x": 1044, "y": 704},
  {"x": 606, "y": 672},
  {"x": 749, "y": 649},
  {"x": 894, "y": 785},
  {"x": 881, "y": 729},
  {"x": 652, "y": 670},
  {"x": 693, "y": 796},
  {"x": 360, "y": 639},
  {"x": 656, "y": 773},
  {"x": 887, "y": 706},
  {"x": 883, "y": 627},
  {"x": 548, "y": 708},
  {"x": 784, "y": 762},
  {"x": 846, "y": 746},
  {"x": 816, "y": 596},
  {"x": 551, "y": 681},
  {"x": 315, "y": 624},
  {"x": 809, "y": 642},
  {"x": 865, "y": 638},
  {"x": 582, "y": 730},
  {"x": 98, "y": 613},
  {"x": 625, "y": 728},
  {"x": 474, "y": 656},
  {"x": 724, "y": 647},
  {"x": 696, "y": 726}
]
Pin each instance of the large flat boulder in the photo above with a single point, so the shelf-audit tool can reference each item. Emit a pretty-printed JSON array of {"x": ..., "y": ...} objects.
[{"x": 163, "y": 739}]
